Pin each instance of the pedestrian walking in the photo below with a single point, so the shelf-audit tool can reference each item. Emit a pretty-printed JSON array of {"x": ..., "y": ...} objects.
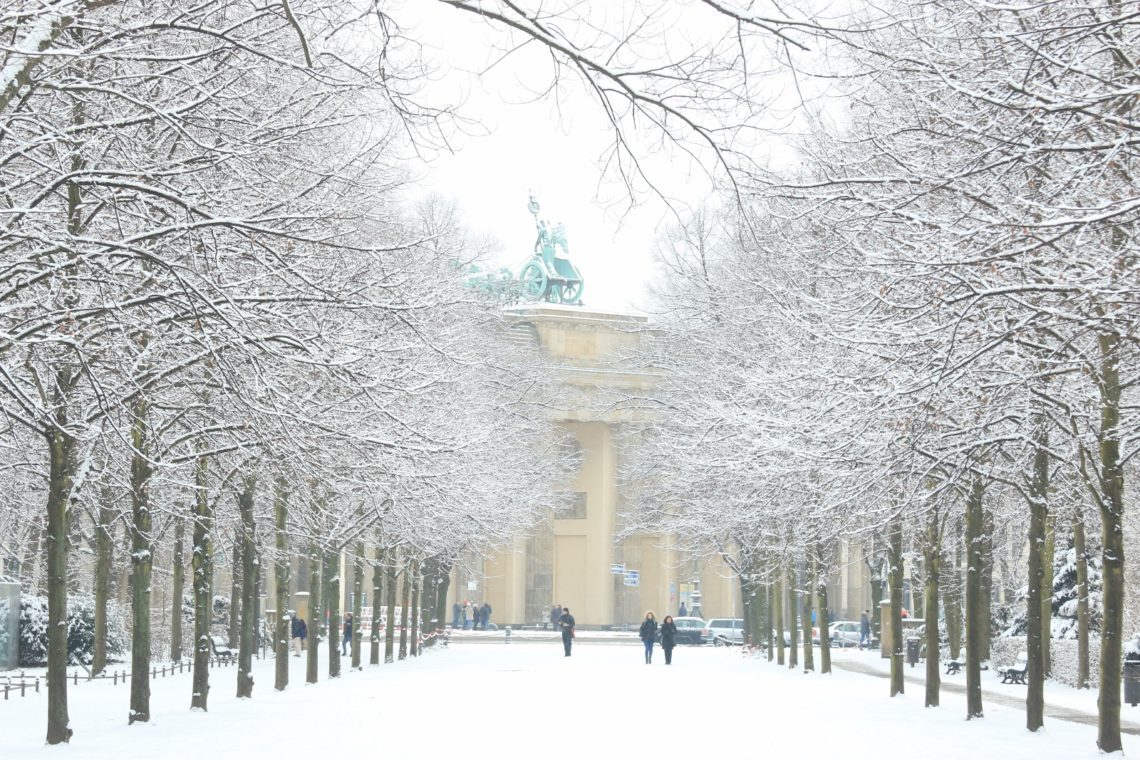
[
  {"x": 485, "y": 615},
  {"x": 682, "y": 612},
  {"x": 566, "y": 623},
  {"x": 346, "y": 636},
  {"x": 298, "y": 630},
  {"x": 668, "y": 638},
  {"x": 864, "y": 629},
  {"x": 456, "y": 611},
  {"x": 648, "y": 634}
]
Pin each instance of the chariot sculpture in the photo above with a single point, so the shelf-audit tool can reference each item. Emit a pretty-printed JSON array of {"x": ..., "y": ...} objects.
[{"x": 549, "y": 275}]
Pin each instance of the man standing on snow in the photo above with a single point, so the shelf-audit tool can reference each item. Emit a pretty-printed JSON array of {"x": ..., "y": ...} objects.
[{"x": 566, "y": 623}]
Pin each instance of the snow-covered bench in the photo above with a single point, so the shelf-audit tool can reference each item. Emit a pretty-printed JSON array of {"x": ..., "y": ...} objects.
[
  {"x": 1015, "y": 673},
  {"x": 221, "y": 651}
]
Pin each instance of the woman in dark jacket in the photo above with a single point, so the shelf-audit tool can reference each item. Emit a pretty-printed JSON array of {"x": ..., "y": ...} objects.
[
  {"x": 668, "y": 638},
  {"x": 648, "y": 633}
]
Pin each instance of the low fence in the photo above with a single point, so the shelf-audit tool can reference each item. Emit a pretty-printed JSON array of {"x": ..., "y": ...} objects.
[
  {"x": 1004, "y": 651},
  {"x": 23, "y": 685}
]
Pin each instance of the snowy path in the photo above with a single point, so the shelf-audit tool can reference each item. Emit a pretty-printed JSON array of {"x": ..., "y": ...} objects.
[
  {"x": 1010, "y": 697},
  {"x": 484, "y": 700}
]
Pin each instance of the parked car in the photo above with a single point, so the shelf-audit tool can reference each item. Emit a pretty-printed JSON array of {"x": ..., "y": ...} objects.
[
  {"x": 723, "y": 632},
  {"x": 689, "y": 630},
  {"x": 845, "y": 633}
]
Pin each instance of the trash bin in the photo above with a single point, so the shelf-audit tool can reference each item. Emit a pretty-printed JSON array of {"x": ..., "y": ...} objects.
[
  {"x": 913, "y": 647},
  {"x": 1132, "y": 682}
]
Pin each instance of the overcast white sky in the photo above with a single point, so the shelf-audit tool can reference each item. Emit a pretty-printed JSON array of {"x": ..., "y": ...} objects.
[{"x": 550, "y": 147}]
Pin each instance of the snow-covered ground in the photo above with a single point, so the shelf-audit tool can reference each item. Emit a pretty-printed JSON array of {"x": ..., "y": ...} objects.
[{"x": 483, "y": 699}]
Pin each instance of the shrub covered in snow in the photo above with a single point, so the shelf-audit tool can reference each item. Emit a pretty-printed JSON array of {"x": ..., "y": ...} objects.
[
  {"x": 1063, "y": 652},
  {"x": 1064, "y": 624},
  {"x": 220, "y": 623},
  {"x": 80, "y": 630}
]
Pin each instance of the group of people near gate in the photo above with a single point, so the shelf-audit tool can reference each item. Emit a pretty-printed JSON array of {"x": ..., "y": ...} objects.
[{"x": 471, "y": 616}]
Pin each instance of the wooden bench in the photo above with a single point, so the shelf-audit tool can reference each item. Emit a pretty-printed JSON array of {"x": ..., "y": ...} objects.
[
  {"x": 1015, "y": 673},
  {"x": 221, "y": 651},
  {"x": 953, "y": 667}
]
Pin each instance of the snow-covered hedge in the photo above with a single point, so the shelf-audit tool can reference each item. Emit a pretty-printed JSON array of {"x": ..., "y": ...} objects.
[
  {"x": 1004, "y": 651},
  {"x": 80, "y": 630}
]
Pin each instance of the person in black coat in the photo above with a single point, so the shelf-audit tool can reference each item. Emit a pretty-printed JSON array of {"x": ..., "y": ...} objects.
[
  {"x": 298, "y": 631},
  {"x": 668, "y": 638},
  {"x": 566, "y": 623},
  {"x": 346, "y": 635},
  {"x": 648, "y": 634}
]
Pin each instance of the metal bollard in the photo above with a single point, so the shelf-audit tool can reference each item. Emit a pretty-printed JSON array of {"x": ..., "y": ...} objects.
[{"x": 508, "y": 640}]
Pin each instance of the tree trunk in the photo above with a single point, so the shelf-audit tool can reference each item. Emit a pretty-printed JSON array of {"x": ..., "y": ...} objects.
[
  {"x": 429, "y": 581},
  {"x": 974, "y": 621},
  {"x": 104, "y": 558},
  {"x": 778, "y": 606},
  {"x": 316, "y": 615},
  {"x": 987, "y": 583},
  {"x": 1047, "y": 554},
  {"x": 142, "y": 560},
  {"x": 952, "y": 598},
  {"x": 249, "y": 569},
  {"x": 1112, "y": 544},
  {"x": 233, "y": 631},
  {"x": 202, "y": 563},
  {"x": 752, "y": 593},
  {"x": 820, "y": 575},
  {"x": 809, "y": 652},
  {"x": 876, "y": 605},
  {"x": 793, "y": 625},
  {"x": 178, "y": 581},
  {"x": 405, "y": 601},
  {"x": 377, "y": 605},
  {"x": 283, "y": 621},
  {"x": 917, "y": 598},
  {"x": 443, "y": 581},
  {"x": 414, "y": 634},
  {"x": 1081, "y": 550},
  {"x": 390, "y": 591},
  {"x": 768, "y": 621},
  {"x": 357, "y": 604},
  {"x": 895, "y": 580},
  {"x": 932, "y": 561},
  {"x": 332, "y": 602},
  {"x": 1038, "y": 510},
  {"x": 61, "y": 451}
]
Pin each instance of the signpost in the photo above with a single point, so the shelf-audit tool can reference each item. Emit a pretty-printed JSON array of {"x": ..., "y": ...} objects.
[
  {"x": 632, "y": 578},
  {"x": 617, "y": 569}
]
